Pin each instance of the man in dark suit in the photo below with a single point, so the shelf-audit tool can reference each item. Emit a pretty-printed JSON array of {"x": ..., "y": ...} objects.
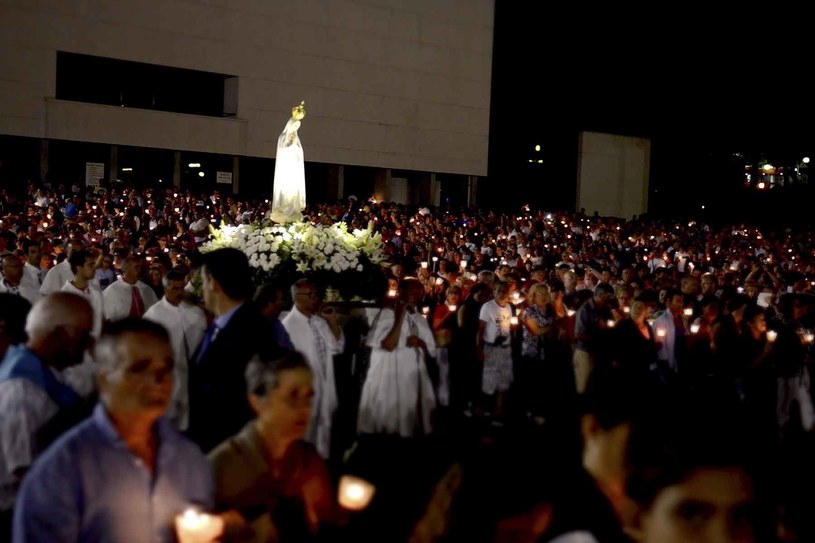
[{"x": 217, "y": 388}]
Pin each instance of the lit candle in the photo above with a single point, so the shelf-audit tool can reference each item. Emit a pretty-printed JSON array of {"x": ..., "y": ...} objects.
[
  {"x": 463, "y": 264},
  {"x": 661, "y": 332},
  {"x": 610, "y": 323},
  {"x": 196, "y": 527},
  {"x": 771, "y": 335},
  {"x": 626, "y": 309},
  {"x": 355, "y": 493},
  {"x": 694, "y": 328},
  {"x": 809, "y": 337},
  {"x": 688, "y": 312},
  {"x": 439, "y": 281},
  {"x": 425, "y": 311},
  {"x": 424, "y": 265},
  {"x": 513, "y": 321},
  {"x": 392, "y": 293},
  {"x": 570, "y": 312},
  {"x": 451, "y": 307}
]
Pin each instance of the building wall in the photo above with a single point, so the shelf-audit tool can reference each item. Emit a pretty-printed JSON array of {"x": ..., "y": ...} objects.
[
  {"x": 613, "y": 174},
  {"x": 402, "y": 84}
]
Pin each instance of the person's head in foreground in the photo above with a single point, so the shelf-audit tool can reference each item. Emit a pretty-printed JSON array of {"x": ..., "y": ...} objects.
[
  {"x": 697, "y": 479},
  {"x": 135, "y": 369},
  {"x": 281, "y": 393}
]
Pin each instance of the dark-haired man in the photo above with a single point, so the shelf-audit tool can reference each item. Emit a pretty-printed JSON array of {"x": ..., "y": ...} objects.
[{"x": 217, "y": 388}]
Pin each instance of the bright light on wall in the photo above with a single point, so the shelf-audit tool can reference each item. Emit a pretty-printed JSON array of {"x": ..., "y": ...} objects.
[
  {"x": 194, "y": 165},
  {"x": 200, "y": 174}
]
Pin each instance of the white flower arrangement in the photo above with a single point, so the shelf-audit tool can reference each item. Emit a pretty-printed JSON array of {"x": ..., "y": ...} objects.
[{"x": 309, "y": 247}]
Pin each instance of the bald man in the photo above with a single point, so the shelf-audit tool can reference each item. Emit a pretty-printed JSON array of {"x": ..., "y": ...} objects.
[{"x": 35, "y": 404}]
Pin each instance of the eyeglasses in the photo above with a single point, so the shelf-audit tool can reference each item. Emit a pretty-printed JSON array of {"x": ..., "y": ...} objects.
[{"x": 310, "y": 293}]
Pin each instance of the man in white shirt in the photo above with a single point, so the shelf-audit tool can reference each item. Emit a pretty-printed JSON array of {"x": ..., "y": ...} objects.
[
  {"x": 32, "y": 274},
  {"x": 318, "y": 338},
  {"x": 186, "y": 324},
  {"x": 83, "y": 262},
  {"x": 200, "y": 226},
  {"x": 129, "y": 296},
  {"x": 12, "y": 279},
  {"x": 60, "y": 274},
  {"x": 83, "y": 265}
]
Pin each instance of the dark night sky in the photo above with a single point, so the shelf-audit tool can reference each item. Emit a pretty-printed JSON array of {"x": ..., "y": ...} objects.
[{"x": 701, "y": 87}]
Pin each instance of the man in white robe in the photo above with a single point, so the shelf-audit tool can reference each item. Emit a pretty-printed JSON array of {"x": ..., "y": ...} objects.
[
  {"x": 318, "y": 338},
  {"x": 186, "y": 324}
]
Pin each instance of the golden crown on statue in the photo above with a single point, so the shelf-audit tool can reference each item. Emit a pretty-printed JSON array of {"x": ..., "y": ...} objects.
[{"x": 298, "y": 112}]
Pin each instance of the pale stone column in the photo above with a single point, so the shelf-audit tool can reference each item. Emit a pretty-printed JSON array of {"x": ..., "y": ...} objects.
[
  {"x": 43, "y": 159},
  {"x": 113, "y": 167},
  {"x": 236, "y": 174},
  {"x": 177, "y": 169}
]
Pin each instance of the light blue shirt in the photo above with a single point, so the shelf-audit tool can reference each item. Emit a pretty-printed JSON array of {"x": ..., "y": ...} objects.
[
  {"x": 89, "y": 487},
  {"x": 223, "y": 320}
]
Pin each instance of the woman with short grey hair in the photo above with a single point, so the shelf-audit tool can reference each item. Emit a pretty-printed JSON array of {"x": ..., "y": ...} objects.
[{"x": 273, "y": 485}]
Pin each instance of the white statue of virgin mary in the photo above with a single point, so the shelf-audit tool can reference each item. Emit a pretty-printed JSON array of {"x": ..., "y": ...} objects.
[{"x": 289, "y": 193}]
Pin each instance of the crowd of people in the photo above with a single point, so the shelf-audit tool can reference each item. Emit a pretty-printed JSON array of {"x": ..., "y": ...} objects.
[{"x": 526, "y": 376}]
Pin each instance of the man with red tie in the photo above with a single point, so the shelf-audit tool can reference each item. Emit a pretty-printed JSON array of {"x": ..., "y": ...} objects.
[{"x": 129, "y": 296}]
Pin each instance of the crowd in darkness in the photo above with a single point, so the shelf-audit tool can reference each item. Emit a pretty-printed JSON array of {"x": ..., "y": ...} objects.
[{"x": 532, "y": 375}]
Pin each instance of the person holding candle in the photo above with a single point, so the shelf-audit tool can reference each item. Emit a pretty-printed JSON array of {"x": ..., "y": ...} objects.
[
  {"x": 272, "y": 484},
  {"x": 539, "y": 380},
  {"x": 124, "y": 473},
  {"x": 589, "y": 328},
  {"x": 701, "y": 360},
  {"x": 671, "y": 331},
  {"x": 635, "y": 342},
  {"x": 494, "y": 349},
  {"x": 465, "y": 380},
  {"x": 789, "y": 355},
  {"x": 445, "y": 322}
]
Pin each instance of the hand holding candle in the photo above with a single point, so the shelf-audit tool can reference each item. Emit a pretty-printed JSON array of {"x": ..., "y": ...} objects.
[
  {"x": 772, "y": 335},
  {"x": 196, "y": 527}
]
